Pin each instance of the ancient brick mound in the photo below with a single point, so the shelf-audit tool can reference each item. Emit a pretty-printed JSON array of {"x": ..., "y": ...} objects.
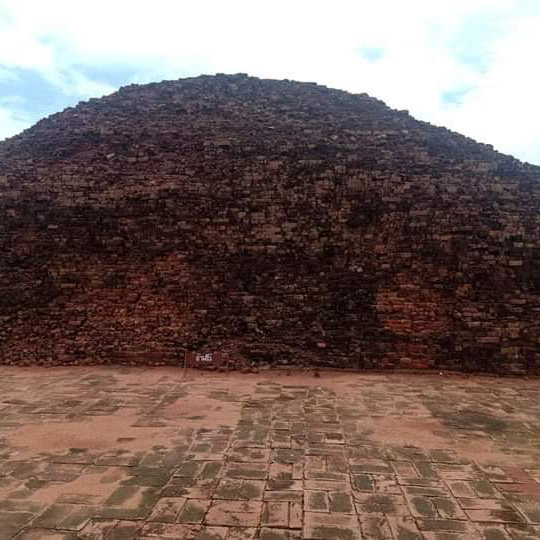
[{"x": 275, "y": 220}]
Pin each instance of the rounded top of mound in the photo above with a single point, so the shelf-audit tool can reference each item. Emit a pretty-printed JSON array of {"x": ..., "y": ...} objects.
[{"x": 243, "y": 114}]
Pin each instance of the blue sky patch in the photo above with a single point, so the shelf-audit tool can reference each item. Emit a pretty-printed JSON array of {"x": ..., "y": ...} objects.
[
  {"x": 34, "y": 94},
  {"x": 371, "y": 54},
  {"x": 455, "y": 96},
  {"x": 472, "y": 41}
]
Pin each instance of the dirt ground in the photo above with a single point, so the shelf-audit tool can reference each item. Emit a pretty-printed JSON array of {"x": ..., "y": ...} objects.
[{"x": 121, "y": 453}]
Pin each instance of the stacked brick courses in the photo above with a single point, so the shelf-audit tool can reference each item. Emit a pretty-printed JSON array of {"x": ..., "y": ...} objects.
[{"x": 274, "y": 221}]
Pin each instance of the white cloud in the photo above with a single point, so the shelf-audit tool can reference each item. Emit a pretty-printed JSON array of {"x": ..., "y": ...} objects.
[
  {"x": 21, "y": 50},
  {"x": 503, "y": 107},
  {"x": 423, "y": 44}
]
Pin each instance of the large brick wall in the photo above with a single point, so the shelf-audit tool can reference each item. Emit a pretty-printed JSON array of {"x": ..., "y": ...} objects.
[{"x": 279, "y": 221}]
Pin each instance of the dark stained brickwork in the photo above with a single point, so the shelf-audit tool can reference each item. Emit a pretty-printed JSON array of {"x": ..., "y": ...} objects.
[{"x": 275, "y": 220}]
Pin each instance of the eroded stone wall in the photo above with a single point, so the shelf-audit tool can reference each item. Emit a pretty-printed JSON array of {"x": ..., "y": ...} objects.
[{"x": 274, "y": 220}]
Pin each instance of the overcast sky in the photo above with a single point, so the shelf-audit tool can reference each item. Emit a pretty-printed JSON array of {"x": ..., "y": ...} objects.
[{"x": 470, "y": 65}]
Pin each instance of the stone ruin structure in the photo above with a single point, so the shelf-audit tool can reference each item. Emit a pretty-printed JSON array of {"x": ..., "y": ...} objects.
[{"x": 275, "y": 221}]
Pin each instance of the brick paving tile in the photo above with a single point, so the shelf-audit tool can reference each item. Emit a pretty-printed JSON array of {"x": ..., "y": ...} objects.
[
  {"x": 275, "y": 514},
  {"x": 43, "y": 534},
  {"x": 404, "y": 527},
  {"x": 523, "y": 532},
  {"x": 212, "y": 533},
  {"x": 493, "y": 531},
  {"x": 375, "y": 527},
  {"x": 316, "y": 501},
  {"x": 279, "y": 534},
  {"x": 243, "y": 533},
  {"x": 234, "y": 513},
  {"x": 494, "y": 516},
  {"x": 446, "y": 525},
  {"x": 267, "y": 456},
  {"x": 326, "y": 526},
  {"x": 194, "y": 511},
  {"x": 169, "y": 530},
  {"x": 295, "y": 515},
  {"x": 167, "y": 509}
]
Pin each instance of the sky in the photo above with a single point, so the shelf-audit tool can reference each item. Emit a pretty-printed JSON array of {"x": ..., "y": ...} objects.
[{"x": 469, "y": 65}]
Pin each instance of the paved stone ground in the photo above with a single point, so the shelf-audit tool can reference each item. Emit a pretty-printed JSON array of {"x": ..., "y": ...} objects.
[{"x": 91, "y": 453}]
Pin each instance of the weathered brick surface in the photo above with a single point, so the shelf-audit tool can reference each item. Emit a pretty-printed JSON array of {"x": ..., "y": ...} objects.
[
  {"x": 273, "y": 220},
  {"x": 96, "y": 453}
]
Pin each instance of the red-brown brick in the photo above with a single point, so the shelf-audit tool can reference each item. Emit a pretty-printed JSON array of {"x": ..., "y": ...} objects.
[{"x": 268, "y": 221}]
